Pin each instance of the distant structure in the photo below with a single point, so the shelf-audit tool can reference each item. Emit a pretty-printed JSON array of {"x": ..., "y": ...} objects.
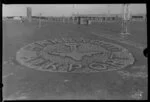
[
  {"x": 86, "y": 19},
  {"x": 98, "y": 18},
  {"x": 29, "y": 14},
  {"x": 138, "y": 17}
]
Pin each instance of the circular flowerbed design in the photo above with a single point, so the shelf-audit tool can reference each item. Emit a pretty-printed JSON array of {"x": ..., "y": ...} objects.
[{"x": 74, "y": 55}]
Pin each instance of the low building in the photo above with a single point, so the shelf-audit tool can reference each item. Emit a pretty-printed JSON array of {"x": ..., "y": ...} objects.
[
  {"x": 98, "y": 17},
  {"x": 10, "y": 17},
  {"x": 138, "y": 17},
  {"x": 94, "y": 18}
]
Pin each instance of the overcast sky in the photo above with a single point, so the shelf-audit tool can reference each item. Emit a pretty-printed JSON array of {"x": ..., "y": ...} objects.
[{"x": 68, "y": 9}]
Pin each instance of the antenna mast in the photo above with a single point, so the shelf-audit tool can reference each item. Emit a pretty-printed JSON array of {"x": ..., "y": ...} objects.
[
  {"x": 125, "y": 19},
  {"x": 108, "y": 6}
]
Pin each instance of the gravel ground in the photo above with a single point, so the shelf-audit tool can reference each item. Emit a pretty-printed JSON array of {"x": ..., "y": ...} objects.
[{"x": 24, "y": 83}]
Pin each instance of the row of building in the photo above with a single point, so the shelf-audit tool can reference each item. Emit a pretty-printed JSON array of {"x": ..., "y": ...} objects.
[
  {"x": 83, "y": 19},
  {"x": 110, "y": 17}
]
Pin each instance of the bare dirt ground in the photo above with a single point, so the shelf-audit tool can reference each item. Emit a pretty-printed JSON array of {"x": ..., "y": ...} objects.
[{"x": 25, "y": 83}]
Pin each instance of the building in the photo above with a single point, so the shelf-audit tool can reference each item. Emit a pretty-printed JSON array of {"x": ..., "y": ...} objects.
[
  {"x": 95, "y": 18},
  {"x": 98, "y": 17},
  {"x": 138, "y": 17},
  {"x": 10, "y": 17},
  {"x": 90, "y": 18}
]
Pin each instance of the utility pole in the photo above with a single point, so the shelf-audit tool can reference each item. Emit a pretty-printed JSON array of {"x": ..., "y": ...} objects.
[
  {"x": 40, "y": 20},
  {"x": 108, "y": 9},
  {"x": 125, "y": 20},
  {"x": 74, "y": 13},
  {"x": 108, "y": 6},
  {"x": 108, "y": 13}
]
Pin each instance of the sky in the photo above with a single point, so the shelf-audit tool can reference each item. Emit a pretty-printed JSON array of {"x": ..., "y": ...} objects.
[{"x": 69, "y": 9}]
